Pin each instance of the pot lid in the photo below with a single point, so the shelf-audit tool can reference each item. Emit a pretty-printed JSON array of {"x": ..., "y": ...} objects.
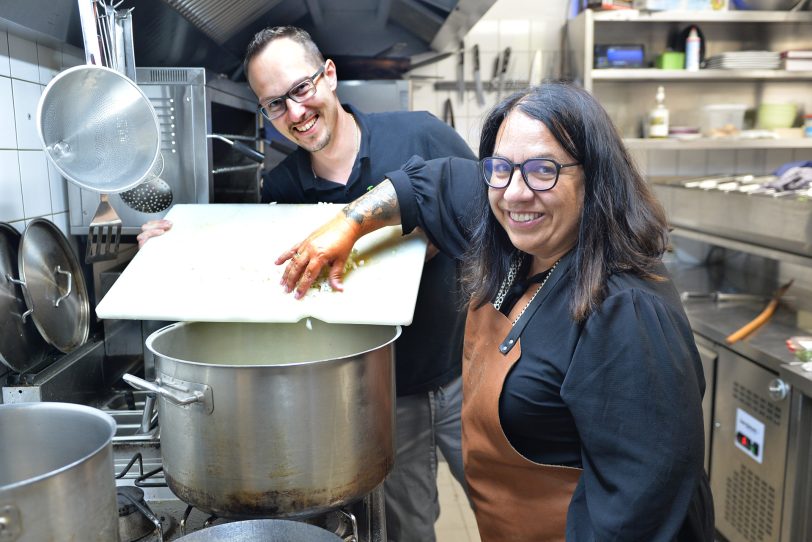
[
  {"x": 21, "y": 346},
  {"x": 55, "y": 286}
]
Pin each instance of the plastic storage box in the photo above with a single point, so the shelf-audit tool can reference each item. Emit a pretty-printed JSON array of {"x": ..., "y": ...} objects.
[{"x": 721, "y": 120}]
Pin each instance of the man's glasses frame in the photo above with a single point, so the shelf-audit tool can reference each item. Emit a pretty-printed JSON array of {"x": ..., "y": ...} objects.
[
  {"x": 531, "y": 164},
  {"x": 300, "y": 92}
]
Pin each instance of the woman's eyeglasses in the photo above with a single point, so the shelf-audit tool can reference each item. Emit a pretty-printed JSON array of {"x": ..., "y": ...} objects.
[
  {"x": 539, "y": 174},
  {"x": 300, "y": 92}
]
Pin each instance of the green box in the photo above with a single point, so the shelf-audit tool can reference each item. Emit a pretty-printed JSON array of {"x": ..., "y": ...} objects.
[{"x": 670, "y": 60}]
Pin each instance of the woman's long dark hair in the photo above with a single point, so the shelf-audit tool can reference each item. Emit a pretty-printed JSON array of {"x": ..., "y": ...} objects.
[{"x": 622, "y": 227}]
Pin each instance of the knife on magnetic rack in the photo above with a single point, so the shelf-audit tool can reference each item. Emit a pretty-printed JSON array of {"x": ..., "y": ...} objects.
[{"x": 480, "y": 92}]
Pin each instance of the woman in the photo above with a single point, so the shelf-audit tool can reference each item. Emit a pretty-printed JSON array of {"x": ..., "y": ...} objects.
[{"x": 582, "y": 384}]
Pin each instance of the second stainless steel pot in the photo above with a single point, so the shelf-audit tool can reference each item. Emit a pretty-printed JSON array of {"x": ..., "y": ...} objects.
[
  {"x": 56, "y": 473},
  {"x": 274, "y": 420}
]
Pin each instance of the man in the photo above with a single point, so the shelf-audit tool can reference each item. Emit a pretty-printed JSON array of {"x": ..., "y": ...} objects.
[{"x": 343, "y": 153}]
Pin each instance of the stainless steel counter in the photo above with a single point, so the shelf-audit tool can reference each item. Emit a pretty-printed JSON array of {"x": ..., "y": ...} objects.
[
  {"x": 716, "y": 320},
  {"x": 760, "y": 493}
]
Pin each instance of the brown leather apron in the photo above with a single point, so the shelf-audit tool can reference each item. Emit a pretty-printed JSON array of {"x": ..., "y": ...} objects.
[{"x": 514, "y": 498}]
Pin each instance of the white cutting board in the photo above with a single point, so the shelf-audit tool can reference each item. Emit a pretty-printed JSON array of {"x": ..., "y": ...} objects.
[{"x": 216, "y": 264}]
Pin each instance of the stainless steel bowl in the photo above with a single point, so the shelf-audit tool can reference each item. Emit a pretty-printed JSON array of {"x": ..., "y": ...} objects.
[{"x": 98, "y": 128}]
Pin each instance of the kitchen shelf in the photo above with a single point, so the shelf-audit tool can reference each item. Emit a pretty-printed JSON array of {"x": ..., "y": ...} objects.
[
  {"x": 628, "y": 94},
  {"x": 716, "y": 144},
  {"x": 776, "y": 227},
  {"x": 487, "y": 86},
  {"x": 654, "y": 74},
  {"x": 742, "y": 246},
  {"x": 731, "y": 16}
]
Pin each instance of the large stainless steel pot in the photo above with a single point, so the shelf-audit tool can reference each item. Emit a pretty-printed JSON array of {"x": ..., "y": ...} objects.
[
  {"x": 56, "y": 473},
  {"x": 262, "y": 530},
  {"x": 273, "y": 420}
]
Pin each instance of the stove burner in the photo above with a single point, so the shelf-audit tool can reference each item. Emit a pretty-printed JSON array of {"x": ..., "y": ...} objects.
[
  {"x": 135, "y": 519},
  {"x": 132, "y": 524},
  {"x": 157, "y": 514},
  {"x": 141, "y": 480}
]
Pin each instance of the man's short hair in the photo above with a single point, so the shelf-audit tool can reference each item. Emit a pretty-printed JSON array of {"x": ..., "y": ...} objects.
[{"x": 262, "y": 38}]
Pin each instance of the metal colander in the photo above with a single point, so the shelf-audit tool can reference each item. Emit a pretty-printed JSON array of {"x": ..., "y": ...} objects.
[{"x": 98, "y": 128}]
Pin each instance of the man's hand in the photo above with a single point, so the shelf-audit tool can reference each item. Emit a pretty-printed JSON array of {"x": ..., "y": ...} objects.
[
  {"x": 151, "y": 229},
  {"x": 331, "y": 245}
]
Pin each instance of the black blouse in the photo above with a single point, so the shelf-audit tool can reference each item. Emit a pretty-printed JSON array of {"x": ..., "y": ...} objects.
[{"x": 618, "y": 395}]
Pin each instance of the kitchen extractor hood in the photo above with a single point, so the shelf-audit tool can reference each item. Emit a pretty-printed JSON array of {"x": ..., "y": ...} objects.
[{"x": 367, "y": 38}]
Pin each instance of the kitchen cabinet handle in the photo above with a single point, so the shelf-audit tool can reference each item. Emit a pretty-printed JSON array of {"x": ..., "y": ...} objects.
[{"x": 778, "y": 389}]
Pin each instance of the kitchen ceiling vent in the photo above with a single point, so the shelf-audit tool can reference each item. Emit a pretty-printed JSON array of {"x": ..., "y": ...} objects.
[{"x": 222, "y": 20}]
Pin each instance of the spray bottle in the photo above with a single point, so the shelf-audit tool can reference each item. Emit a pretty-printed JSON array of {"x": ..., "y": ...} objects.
[{"x": 693, "y": 44}]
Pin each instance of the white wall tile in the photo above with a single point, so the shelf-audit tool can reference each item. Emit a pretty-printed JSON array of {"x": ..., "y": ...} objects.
[
  {"x": 640, "y": 158},
  {"x": 59, "y": 191},
  {"x": 518, "y": 66},
  {"x": 69, "y": 59},
  {"x": 50, "y": 62},
  {"x": 447, "y": 68},
  {"x": 61, "y": 221},
  {"x": 484, "y": 33},
  {"x": 721, "y": 161},
  {"x": 11, "y": 194},
  {"x": 487, "y": 61},
  {"x": 749, "y": 161},
  {"x": 801, "y": 154},
  {"x": 8, "y": 133},
  {"x": 75, "y": 214},
  {"x": 34, "y": 178},
  {"x": 514, "y": 33},
  {"x": 5, "y": 68},
  {"x": 691, "y": 163},
  {"x": 18, "y": 225},
  {"x": 776, "y": 157},
  {"x": 545, "y": 34},
  {"x": 424, "y": 98},
  {"x": 662, "y": 162},
  {"x": 551, "y": 64},
  {"x": 26, "y": 97},
  {"x": 554, "y": 11},
  {"x": 23, "y": 58}
]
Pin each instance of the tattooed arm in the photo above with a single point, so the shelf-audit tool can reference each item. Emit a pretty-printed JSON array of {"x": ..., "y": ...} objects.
[{"x": 331, "y": 243}]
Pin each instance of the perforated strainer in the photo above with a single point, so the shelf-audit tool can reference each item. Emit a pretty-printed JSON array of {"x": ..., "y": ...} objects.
[
  {"x": 151, "y": 196},
  {"x": 98, "y": 129}
]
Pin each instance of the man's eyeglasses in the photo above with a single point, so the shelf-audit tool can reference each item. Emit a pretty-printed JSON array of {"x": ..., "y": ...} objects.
[
  {"x": 300, "y": 92},
  {"x": 539, "y": 174}
]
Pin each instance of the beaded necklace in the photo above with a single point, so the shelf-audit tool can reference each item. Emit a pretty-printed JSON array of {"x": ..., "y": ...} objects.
[{"x": 508, "y": 282}]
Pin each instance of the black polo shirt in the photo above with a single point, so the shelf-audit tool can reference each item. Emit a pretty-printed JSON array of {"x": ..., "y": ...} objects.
[{"x": 429, "y": 352}]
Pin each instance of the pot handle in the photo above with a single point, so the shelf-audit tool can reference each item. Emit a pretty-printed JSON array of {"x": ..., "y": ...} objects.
[
  {"x": 11, "y": 527},
  {"x": 155, "y": 387},
  {"x": 68, "y": 288},
  {"x": 24, "y": 287}
]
